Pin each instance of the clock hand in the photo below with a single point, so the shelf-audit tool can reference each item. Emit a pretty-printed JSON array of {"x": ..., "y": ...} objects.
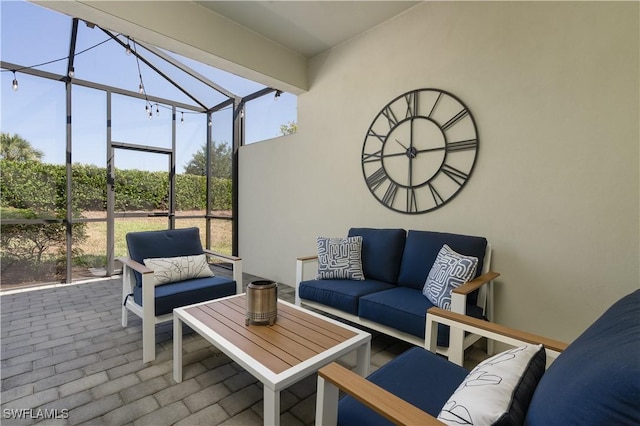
[
  {"x": 402, "y": 145},
  {"x": 431, "y": 149}
]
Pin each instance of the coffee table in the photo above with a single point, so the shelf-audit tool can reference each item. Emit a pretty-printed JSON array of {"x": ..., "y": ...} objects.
[{"x": 296, "y": 346}]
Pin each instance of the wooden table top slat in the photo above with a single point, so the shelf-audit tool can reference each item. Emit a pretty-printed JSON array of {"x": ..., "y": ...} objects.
[
  {"x": 270, "y": 361},
  {"x": 295, "y": 337}
]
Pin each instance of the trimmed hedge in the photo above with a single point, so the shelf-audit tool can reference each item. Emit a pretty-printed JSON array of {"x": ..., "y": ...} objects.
[{"x": 42, "y": 187}]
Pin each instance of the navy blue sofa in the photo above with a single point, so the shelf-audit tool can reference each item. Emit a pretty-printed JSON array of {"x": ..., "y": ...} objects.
[
  {"x": 593, "y": 381},
  {"x": 154, "y": 303},
  {"x": 395, "y": 264}
]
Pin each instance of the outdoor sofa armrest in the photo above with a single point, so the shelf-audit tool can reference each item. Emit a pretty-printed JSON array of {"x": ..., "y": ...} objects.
[
  {"x": 139, "y": 267},
  {"x": 236, "y": 265},
  {"x": 463, "y": 323},
  {"x": 476, "y": 283},
  {"x": 334, "y": 377},
  {"x": 300, "y": 266}
]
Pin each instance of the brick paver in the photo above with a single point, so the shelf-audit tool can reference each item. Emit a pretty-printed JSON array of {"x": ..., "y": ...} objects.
[{"x": 63, "y": 348}]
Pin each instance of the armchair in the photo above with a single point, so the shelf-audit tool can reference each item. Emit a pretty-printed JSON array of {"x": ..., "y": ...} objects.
[
  {"x": 180, "y": 276},
  {"x": 593, "y": 381}
]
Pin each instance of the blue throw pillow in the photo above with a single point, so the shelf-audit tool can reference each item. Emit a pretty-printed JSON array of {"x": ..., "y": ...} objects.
[
  {"x": 340, "y": 258},
  {"x": 450, "y": 270}
]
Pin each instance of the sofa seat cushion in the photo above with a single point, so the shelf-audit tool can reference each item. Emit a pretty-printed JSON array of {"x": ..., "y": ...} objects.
[
  {"x": 596, "y": 380},
  {"x": 405, "y": 309},
  {"x": 340, "y": 294},
  {"x": 412, "y": 376},
  {"x": 381, "y": 252},
  {"x": 183, "y": 293},
  {"x": 422, "y": 248}
]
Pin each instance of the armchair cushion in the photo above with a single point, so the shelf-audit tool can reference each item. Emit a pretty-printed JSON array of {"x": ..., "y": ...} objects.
[
  {"x": 164, "y": 243},
  {"x": 498, "y": 390},
  {"x": 182, "y": 293},
  {"x": 381, "y": 252},
  {"x": 596, "y": 379},
  {"x": 180, "y": 268},
  {"x": 340, "y": 258},
  {"x": 449, "y": 270},
  {"x": 408, "y": 384}
]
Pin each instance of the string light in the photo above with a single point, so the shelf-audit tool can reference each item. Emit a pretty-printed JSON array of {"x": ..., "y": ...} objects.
[
  {"x": 128, "y": 48},
  {"x": 210, "y": 123},
  {"x": 277, "y": 95},
  {"x": 72, "y": 72},
  {"x": 157, "y": 109},
  {"x": 14, "y": 84}
]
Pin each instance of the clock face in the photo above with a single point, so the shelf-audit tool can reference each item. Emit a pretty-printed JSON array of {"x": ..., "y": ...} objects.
[{"x": 420, "y": 151}]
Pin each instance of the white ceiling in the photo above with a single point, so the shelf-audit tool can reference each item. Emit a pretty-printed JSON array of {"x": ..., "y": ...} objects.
[{"x": 308, "y": 27}]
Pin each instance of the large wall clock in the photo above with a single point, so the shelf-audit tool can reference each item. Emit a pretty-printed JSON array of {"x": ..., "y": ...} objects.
[{"x": 419, "y": 151}]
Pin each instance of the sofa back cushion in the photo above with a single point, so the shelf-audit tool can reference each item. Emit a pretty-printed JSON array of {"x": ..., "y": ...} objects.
[
  {"x": 381, "y": 252},
  {"x": 596, "y": 380},
  {"x": 165, "y": 243},
  {"x": 422, "y": 248}
]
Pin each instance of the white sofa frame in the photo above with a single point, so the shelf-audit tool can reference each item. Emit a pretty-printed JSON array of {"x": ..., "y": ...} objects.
[
  {"x": 458, "y": 342},
  {"x": 147, "y": 311}
]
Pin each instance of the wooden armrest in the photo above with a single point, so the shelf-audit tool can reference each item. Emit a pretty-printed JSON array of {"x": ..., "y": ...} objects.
[
  {"x": 380, "y": 400},
  {"x": 491, "y": 327},
  {"x": 476, "y": 283},
  {"x": 222, "y": 256},
  {"x": 307, "y": 258},
  {"x": 135, "y": 265}
]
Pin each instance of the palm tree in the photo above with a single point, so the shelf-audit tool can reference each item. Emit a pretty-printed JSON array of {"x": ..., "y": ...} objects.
[{"x": 16, "y": 148}]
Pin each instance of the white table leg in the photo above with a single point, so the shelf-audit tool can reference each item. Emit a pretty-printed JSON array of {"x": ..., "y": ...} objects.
[
  {"x": 177, "y": 349},
  {"x": 363, "y": 359},
  {"x": 271, "y": 407}
]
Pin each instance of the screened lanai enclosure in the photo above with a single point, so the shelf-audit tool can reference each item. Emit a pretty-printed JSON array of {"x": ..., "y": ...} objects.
[{"x": 103, "y": 134}]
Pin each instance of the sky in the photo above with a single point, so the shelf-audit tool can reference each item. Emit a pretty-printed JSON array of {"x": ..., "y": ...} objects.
[{"x": 32, "y": 35}]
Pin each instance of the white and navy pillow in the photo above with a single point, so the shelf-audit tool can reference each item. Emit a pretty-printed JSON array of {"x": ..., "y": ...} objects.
[
  {"x": 450, "y": 270},
  {"x": 172, "y": 269},
  {"x": 340, "y": 258},
  {"x": 498, "y": 391}
]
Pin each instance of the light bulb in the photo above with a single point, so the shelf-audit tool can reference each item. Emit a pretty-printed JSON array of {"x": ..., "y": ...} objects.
[
  {"x": 181, "y": 116},
  {"x": 71, "y": 72},
  {"x": 210, "y": 123},
  {"x": 277, "y": 95},
  {"x": 128, "y": 51},
  {"x": 141, "y": 89},
  {"x": 14, "y": 85},
  {"x": 157, "y": 110}
]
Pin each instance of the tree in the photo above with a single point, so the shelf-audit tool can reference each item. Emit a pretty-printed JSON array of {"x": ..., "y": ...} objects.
[
  {"x": 16, "y": 148},
  {"x": 289, "y": 128},
  {"x": 220, "y": 161}
]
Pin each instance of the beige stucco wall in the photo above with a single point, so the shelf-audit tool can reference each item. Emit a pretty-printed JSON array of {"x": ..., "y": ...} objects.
[{"x": 554, "y": 88}]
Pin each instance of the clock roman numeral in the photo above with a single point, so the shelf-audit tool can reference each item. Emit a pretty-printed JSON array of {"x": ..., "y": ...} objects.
[
  {"x": 391, "y": 116},
  {"x": 412, "y": 203},
  {"x": 455, "y": 119},
  {"x": 376, "y": 179},
  {"x": 381, "y": 138},
  {"x": 462, "y": 145},
  {"x": 371, "y": 157},
  {"x": 435, "y": 104},
  {"x": 390, "y": 194},
  {"x": 412, "y": 104},
  {"x": 454, "y": 174},
  {"x": 437, "y": 198}
]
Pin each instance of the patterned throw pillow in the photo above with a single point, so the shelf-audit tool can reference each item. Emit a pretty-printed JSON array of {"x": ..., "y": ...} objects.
[
  {"x": 172, "y": 269},
  {"x": 450, "y": 270},
  {"x": 340, "y": 258},
  {"x": 498, "y": 391}
]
